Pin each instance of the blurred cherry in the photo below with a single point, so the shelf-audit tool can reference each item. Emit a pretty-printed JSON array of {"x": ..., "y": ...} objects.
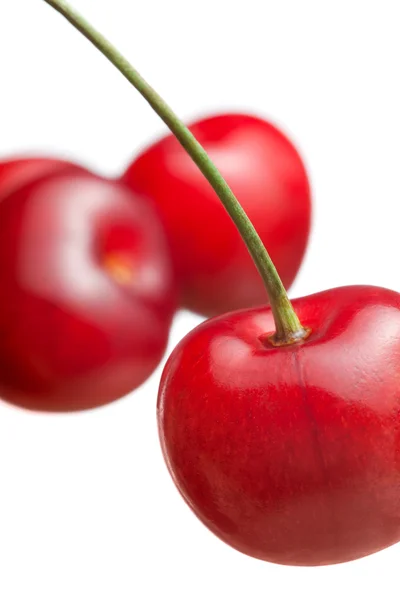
[
  {"x": 266, "y": 174},
  {"x": 86, "y": 293}
]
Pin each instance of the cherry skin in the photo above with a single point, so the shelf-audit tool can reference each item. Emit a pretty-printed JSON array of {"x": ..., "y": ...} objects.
[
  {"x": 291, "y": 454},
  {"x": 265, "y": 173},
  {"x": 17, "y": 172},
  {"x": 86, "y": 293}
]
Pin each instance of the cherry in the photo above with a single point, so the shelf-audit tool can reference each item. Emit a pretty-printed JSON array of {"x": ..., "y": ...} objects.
[
  {"x": 291, "y": 455},
  {"x": 16, "y": 172},
  {"x": 87, "y": 294},
  {"x": 264, "y": 171}
]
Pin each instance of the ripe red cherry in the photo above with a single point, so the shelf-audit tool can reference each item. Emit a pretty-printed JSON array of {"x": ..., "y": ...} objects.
[
  {"x": 267, "y": 176},
  {"x": 291, "y": 454},
  {"x": 17, "y": 172},
  {"x": 86, "y": 293}
]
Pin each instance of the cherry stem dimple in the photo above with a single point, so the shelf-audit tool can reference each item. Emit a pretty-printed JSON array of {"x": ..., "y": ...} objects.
[{"x": 288, "y": 327}]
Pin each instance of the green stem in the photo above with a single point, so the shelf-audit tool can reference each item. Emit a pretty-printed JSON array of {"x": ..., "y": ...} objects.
[{"x": 288, "y": 326}]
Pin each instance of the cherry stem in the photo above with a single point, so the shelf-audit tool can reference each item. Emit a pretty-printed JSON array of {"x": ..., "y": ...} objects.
[{"x": 288, "y": 326}]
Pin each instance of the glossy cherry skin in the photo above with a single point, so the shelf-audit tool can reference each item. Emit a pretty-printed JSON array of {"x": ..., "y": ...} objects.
[
  {"x": 17, "y": 172},
  {"x": 267, "y": 175},
  {"x": 291, "y": 454},
  {"x": 86, "y": 293}
]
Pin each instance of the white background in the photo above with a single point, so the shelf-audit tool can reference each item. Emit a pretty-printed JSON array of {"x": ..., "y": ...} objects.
[{"x": 87, "y": 509}]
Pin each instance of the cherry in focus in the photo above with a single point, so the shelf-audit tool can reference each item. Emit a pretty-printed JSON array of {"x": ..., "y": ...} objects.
[
  {"x": 291, "y": 454},
  {"x": 266, "y": 174},
  {"x": 86, "y": 293},
  {"x": 17, "y": 172}
]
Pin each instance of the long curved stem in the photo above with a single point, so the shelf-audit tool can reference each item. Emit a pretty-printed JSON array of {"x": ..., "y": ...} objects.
[{"x": 288, "y": 326}]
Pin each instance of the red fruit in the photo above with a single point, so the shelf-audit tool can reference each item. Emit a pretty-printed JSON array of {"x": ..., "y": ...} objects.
[
  {"x": 86, "y": 293},
  {"x": 17, "y": 172},
  {"x": 291, "y": 454},
  {"x": 268, "y": 178}
]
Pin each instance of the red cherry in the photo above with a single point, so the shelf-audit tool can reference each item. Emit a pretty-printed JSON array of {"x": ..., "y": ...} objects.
[
  {"x": 17, "y": 172},
  {"x": 291, "y": 454},
  {"x": 87, "y": 294},
  {"x": 267, "y": 176}
]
